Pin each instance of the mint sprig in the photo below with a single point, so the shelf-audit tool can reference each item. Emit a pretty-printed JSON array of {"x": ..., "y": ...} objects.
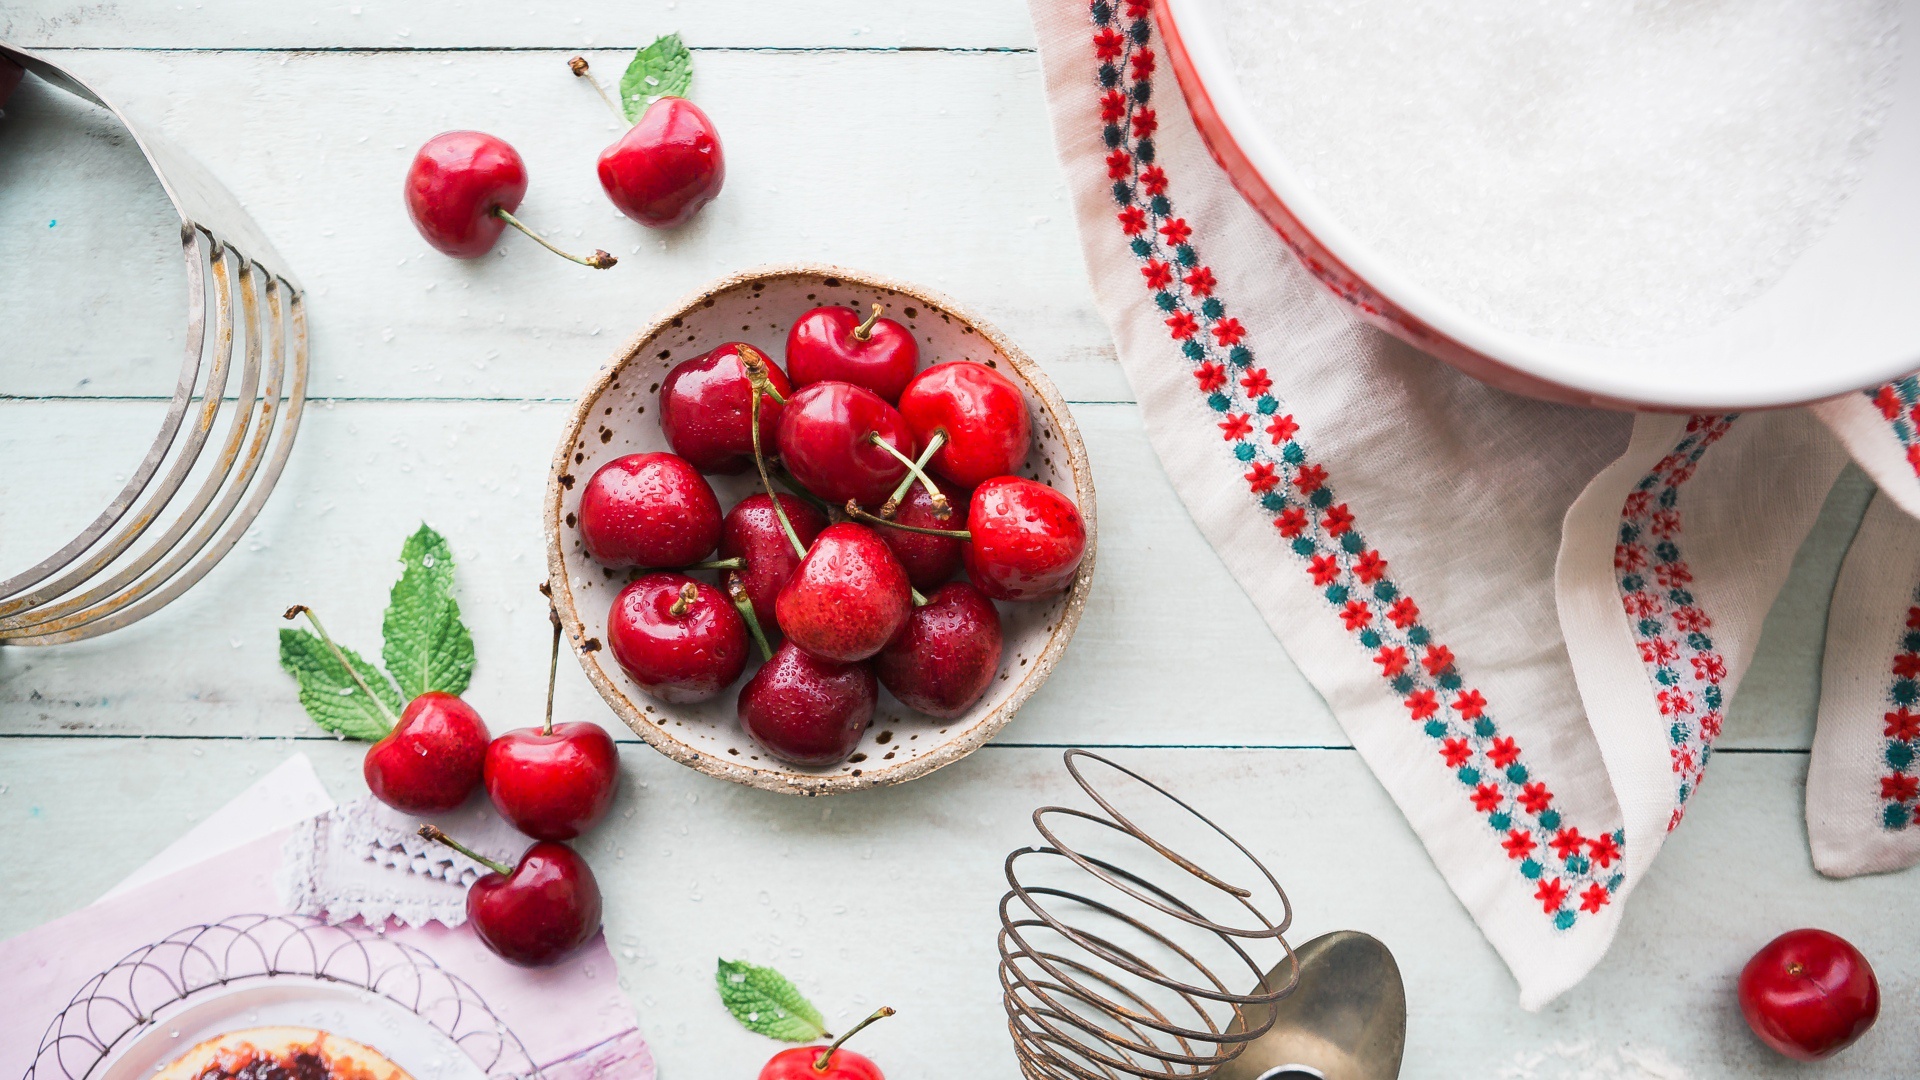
[
  {"x": 766, "y": 1003},
  {"x": 662, "y": 69},
  {"x": 424, "y": 644}
]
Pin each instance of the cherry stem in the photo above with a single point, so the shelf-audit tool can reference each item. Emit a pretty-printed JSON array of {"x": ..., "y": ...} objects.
[
  {"x": 579, "y": 66},
  {"x": 918, "y": 599},
  {"x": 720, "y": 564},
  {"x": 738, "y": 593},
  {"x": 854, "y": 511},
  {"x": 688, "y": 594},
  {"x": 599, "y": 260},
  {"x": 353, "y": 673},
  {"x": 759, "y": 385},
  {"x": 553, "y": 670},
  {"x": 865, "y": 329},
  {"x": 826, "y": 1056},
  {"x": 433, "y": 833},
  {"x": 940, "y": 508}
]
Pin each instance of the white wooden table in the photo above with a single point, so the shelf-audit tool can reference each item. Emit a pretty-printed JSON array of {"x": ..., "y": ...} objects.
[{"x": 908, "y": 139}]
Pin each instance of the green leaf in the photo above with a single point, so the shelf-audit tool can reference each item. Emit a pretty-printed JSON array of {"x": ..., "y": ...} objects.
[
  {"x": 427, "y": 647},
  {"x": 765, "y": 1002},
  {"x": 662, "y": 69},
  {"x": 329, "y": 693}
]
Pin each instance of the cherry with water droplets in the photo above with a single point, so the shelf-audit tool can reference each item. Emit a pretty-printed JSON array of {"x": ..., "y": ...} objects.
[
  {"x": 948, "y": 654},
  {"x": 681, "y": 640},
  {"x": 1026, "y": 542},
  {"x": 830, "y": 435},
  {"x": 705, "y": 405},
  {"x": 836, "y": 344},
  {"x": 807, "y": 711},
  {"x": 555, "y": 781},
  {"x": 982, "y": 415},
  {"x": 752, "y": 533},
  {"x": 536, "y": 912},
  {"x": 462, "y": 189},
  {"x": 847, "y": 598},
  {"x": 928, "y": 560},
  {"x": 652, "y": 510}
]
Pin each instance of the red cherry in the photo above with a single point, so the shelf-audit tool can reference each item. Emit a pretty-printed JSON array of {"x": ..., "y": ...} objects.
[
  {"x": 1028, "y": 539},
  {"x": 928, "y": 560},
  {"x": 847, "y": 598},
  {"x": 539, "y": 911},
  {"x": 1809, "y": 994},
  {"x": 948, "y": 654},
  {"x": 799, "y": 1064},
  {"x": 805, "y": 710},
  {"x": 648, "y": 510},
  {"x": 826, "y": 439},
  {"x": 832, "y": 343},
  {"x": 462, "y": 189},
  {"x": 705, "y": 405},
  {"x": 553, "y": 783},
  {"x": 432, "y": 759},
  {"x": 680, "y": 639},
  {"x": 667, "y": 166},
  {"x": 983, "y": 414},
  {"x": 752, "y": 533}
]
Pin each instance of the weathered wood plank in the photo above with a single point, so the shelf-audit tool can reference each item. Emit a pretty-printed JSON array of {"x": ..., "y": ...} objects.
[
  {"x": 935, "y": 168},
  {"x": 889, "y": 897},
  {"x": 390, "y": 24}
]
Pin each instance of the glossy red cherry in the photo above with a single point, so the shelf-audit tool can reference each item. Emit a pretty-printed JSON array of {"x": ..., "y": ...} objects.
[
  {"x": 537, "y": 912},
  {"x": 753, "y": 534},
  {"x": 1809, "y": 994},
  {"x": 1027, "y": 542},
  {"x": 667, "y": 166},
  {"x": 432, "y": 759},
  {"x": 553, "y": 783},
  {"x": 928, "y": 560},
  {"x": 847, "y": 598},
  {"x": 827, "y": 440},
  {"x": 462, "y": 189},
  {"x": 835, "y": 344},
  {"x": 705, "y": 404},
  {"x": 680, "y": 639},
  {"x": 982, "y": 414},
  {"x": 948, "y": 654},
  {"x": 801, "y": 1063},
  {"x": 648, "y": 510},
  {"x": 805, "y": 710}
]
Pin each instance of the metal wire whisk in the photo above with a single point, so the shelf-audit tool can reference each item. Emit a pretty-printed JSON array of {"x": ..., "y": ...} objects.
[
  {"x": 191, "y": 498},
  {"x": 1116, "y": 983}
]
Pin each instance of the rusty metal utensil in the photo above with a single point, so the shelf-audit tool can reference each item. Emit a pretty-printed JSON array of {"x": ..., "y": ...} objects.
[
  {"x": 104, "y": 578},
  {"x": 1106, "y": 972},
  {"x": 1346, "y": 1021}
]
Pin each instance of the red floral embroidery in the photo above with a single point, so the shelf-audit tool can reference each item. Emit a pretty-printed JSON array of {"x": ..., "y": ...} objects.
[
  {"x": 1338, "y": 520},
  {"x": 1392, "y": 660},
  {"x": 1235, "y": 427},
  {"x": 1200, "y": 281},
  {"x": 1158, "y": 274},
  {"x": 1519, "y": 844},
  {"x": 1535, "y": 797},
  {"x": 1256, "y": 383},
  {"x": 1404, "y": 612},
  {"x": 1181, "y": 326},
  {"x": 1551, "y": 895},
  {"x": 1370, "y": 567},
  {"x": 1310, "y": 479},
  {"x": 1154, "y": 179},
  {"x": 1438, "y": 659},
  {"x": 1469, "y": 704},
  {"x": 1210, "y": 376},
  {"x": 1228, "y": 331},
  {"x": 1262, "y": 477},
  {"x": 1503, "y": 752},
  {"x": 1291, "y": 522},
  {"x": 1421, "y": 704},
  {"x": 1456, "y": 752},
  {"x": 1132, "y": 220},
  {"x": 1176, "y": 231},
  {"x": 1603, "y": 850},
  {"x": 1356, "y": 614},
  {"x": 1594, "y": 898},
  {"x": 1282, "y": 429}
]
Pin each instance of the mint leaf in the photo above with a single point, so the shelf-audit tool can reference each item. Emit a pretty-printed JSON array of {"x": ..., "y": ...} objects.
[
  {"x": 329, "y": 693},
  {"x": 662, "y": 69},
  {"x": 427, "y": 647},
  {"x": 765, "y": 1002}
]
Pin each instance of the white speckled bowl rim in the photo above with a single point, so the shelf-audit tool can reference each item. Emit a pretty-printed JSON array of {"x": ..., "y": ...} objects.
[{"x": 639, "y": 712}]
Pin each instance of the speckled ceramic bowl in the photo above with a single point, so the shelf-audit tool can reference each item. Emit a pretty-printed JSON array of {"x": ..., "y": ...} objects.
[{"x": 618, "y": 415}]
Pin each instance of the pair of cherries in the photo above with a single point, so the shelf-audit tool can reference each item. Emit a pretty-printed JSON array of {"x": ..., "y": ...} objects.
[
  {"x": 846, "y": 594},
  {"x": 553, "y": 783},
  {"x": 464, "y": 186}
]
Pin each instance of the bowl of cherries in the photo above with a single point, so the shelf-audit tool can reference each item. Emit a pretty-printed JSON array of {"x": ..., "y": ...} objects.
[{"x": 815, "y": 531}]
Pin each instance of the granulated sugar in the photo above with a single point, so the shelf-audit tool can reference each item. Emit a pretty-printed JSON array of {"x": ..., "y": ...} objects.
[{"x": 1601, "y": 171}]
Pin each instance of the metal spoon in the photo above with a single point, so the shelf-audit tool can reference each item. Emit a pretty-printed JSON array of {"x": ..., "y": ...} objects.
[{"x": 1346, "y": 1020}]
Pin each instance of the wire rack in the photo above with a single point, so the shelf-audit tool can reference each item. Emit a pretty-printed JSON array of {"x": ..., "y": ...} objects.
[
  {"x": 1107, "y": 972},
  {"x": 226, "y": 434},
  {"x": 118, "y": 1005}
]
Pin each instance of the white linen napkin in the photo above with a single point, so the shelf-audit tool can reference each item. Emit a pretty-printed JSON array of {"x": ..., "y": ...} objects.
[{"x": 1528, "y": 618}]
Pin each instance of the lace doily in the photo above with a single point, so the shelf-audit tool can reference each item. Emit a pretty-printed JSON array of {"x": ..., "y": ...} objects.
[{"x": 366, "y": 860}]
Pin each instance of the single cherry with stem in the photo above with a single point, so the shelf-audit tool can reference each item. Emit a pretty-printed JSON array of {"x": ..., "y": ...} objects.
[
  {"x": 982, "y": 414},
  {"x": 666, "y": 166},
  {"x": 753, "y": 538},
  {"x": 555, "y": 781},
  {"x": 648, "y": 510},
  {"x": 807, "y": 711},
  {"x": 681, "y": 640},
  {"x": 1024, "y": 540},
  {"x": 834, "y": 343},
  {"x": 536, "y": 912},
  {"x": 706, "y": 404},
  {"x": 843, "y": 441},
  {"x": 948, "y": 654},
  {"x": 929, "y": 560},
  {"x": 462, "y": 189},
  {"x": 433, "y": 753},
  {"x": 848, "y": 597},
  {"x": 829, "y": 1062}
]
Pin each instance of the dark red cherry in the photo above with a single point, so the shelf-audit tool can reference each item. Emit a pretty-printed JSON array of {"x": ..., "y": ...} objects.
[
  {"x": 648, "y": 510},
  {"x": 667, "y": 166},
  {"x": 432, "y": 759},
  {"x": 928, "y": 560},
  {"x": 536, "y": 912},
  {"x": 553, "y": 783},
  {"x": 462, "y": 189},
  {"x": 835, "y": 344},
  {"x": 983, "y": 414},
  {"x": 827, "y": 442},
  {"x": 705, "y": 403},
  {"x": 805, "y": 710},
  {"x": 1028, "y": 539},
  {"x": 948, "y": 654},
  {"x": 847, "y": 598},
  {"x": 680, "y": 639},
  {"x": 752, "y": 532}
]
